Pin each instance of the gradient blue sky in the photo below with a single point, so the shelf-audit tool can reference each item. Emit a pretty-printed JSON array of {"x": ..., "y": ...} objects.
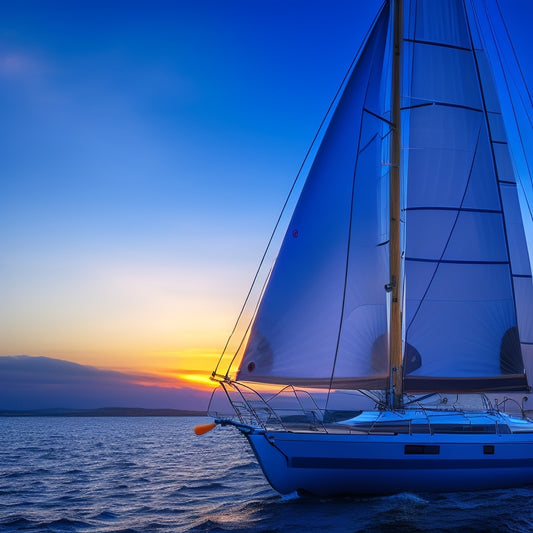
[{"x": 146, "y": 149}]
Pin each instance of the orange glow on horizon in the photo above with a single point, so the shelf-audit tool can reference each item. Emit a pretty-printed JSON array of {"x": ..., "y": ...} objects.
[
  {"x": 176, "y": 380},
  {"x": 199, "y": 379},
  {"x": 170, "y": 369},
  {"x": 173, "y": 369}
]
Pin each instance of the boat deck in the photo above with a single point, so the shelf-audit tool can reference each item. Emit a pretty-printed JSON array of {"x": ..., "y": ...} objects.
[{"x": 418, "y": 422}]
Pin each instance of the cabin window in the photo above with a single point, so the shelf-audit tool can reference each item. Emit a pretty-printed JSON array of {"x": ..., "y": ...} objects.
[{"x": 421, "y": 449}]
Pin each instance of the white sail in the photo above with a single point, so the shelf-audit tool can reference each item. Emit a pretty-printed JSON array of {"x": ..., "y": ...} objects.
[
  {"x": 467, "y": 270},
  {"x": 468, "y": 318},
  {"x": 331, "y": 270}
]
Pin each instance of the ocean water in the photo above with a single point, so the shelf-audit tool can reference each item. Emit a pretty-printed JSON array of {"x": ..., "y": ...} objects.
[{"x": 155, "y": 475}]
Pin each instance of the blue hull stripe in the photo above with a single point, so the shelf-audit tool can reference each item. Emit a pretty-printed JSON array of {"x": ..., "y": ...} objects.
[{"x": 407, "y": 464}]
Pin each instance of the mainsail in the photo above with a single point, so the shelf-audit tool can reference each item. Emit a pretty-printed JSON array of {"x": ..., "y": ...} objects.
[
  {"x": 468, "y": 279},
  {"x": 468, "y": 308}
]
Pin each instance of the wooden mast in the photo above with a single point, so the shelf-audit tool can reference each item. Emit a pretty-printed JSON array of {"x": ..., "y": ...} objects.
[{"x": 395, "y": 340}]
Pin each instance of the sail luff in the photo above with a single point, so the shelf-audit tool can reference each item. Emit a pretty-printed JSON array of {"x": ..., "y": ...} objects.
[{"x": 395, "y": 286}]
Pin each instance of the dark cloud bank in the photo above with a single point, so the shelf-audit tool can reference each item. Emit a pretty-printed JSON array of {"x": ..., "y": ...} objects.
[{"x": 29, "y": 383}]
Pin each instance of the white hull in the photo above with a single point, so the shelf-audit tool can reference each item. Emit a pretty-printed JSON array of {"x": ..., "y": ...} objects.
[{"x": 359, "y": 464}]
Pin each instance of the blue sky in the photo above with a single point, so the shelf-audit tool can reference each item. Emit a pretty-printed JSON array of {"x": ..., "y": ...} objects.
[{"x": 147, "y": 148}]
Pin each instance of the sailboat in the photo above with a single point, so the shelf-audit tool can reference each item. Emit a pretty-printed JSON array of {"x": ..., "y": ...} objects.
[{"x": 397, "y": 318}]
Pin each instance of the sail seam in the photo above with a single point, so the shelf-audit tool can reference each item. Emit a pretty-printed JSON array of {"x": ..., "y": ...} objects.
[
  {"x": 460, "y": 209},
  {"x": 443, "y": 104},
  {"x": 443, "y": 45},
  {"x": 455, "y": 262},
  {"x": 378, "y": 116}
]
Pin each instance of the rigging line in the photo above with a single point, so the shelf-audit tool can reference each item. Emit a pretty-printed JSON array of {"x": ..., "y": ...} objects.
[
  {"x": 520, "y": 93},
  {"x": 440, "y": 260},
  {"x": 476, "y": 22},
  {"x": 296, "y": 179},
  {"x": 500, "y": 60},
  {"x": 524, "y": 84},
  {"x": 414, "y": 15},
  {"x": 524, "y": 104},
  {"x": 514, "y": 52},
  {"x": 379, "y": 117},
  {"x": 370, "y": 142},
  {"x": 519, "y": 88},
  {"x": 346, "y": 269},
  {"x": 409, "y": 80},
  {"x": 248, "y": 327}
]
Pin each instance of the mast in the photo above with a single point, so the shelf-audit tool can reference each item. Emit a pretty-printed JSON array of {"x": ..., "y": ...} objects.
[{"x": 395, "y": 340}]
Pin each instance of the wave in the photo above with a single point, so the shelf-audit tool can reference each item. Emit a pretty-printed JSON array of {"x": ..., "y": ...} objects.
[
  {"x": 150, "y": 474},
  {"x": 19, "y": 522},
  {"x": 105, "y": 515}
]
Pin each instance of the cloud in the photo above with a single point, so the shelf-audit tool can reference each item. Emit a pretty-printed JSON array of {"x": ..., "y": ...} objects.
[{"x": 44, "y": 383}]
